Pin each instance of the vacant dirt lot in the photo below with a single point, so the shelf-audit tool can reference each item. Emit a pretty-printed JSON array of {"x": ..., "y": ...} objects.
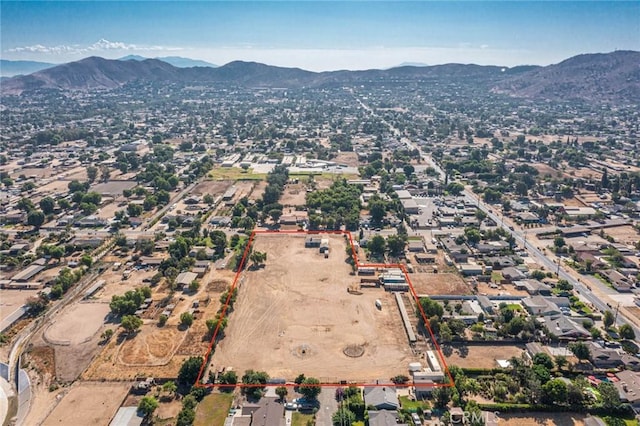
[
  {"x": 151, "y": 346},
  {"x": 544, "y": 170},
  {"x": 479, "y": 356},
  {"x": 67, "y": 328},
  {"x": 348, "y": 158},
  {"x": 542, "y": 419},
  {"x": 89, "y": 404},
  {"x": 442, "y": 283},
  {"x": 295, "y": 315},
  {"x": 13, "y": 299},
  {"x": 294, "y": 195},
  {"x": 214, "y": 188},
  {"x": 623, "y": 234}
]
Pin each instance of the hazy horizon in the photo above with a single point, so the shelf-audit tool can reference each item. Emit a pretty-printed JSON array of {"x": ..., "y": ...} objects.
[{"x": 320, "y": 36}]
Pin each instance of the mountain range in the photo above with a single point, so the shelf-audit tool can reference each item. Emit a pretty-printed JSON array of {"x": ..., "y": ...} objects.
[
  {"x": 176, "y": 61},
  {"x": 610, "y": 77},
  {"x": 11, "y": 68}
]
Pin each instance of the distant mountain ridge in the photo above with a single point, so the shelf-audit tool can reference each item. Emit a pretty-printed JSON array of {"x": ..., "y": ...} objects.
[
  {"x": 12, "y": 68},
  {"x": 176, "y": 61},
  {"x": 596, "y": 76},
  {"x": 612, "y": 76}
]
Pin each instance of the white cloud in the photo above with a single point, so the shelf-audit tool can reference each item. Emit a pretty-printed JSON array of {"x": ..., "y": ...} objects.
[{"x": 101, "y": 45}]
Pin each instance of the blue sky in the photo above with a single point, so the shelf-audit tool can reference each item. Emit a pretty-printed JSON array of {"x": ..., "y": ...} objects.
[{"x": 322, "y": 35}]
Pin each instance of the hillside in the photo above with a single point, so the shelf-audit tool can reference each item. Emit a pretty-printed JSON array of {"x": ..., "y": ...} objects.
[{"x": 609, "y": 77}]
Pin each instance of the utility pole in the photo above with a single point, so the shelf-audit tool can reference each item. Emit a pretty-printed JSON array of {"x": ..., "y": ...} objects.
[{"x": 615, "y": 317}]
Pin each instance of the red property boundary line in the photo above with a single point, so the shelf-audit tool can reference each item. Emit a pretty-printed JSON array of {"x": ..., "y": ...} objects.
[{"x": 225, "y": 307}]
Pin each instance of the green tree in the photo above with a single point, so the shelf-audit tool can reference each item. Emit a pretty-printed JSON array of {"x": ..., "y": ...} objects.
[
  {"x": 310, "y": 388},
  {"x": 580, "y": 350},
  {"x": 228, "y": 378},
  {"x": 561, "y": 361},
  {"x": 92, "y": 173},
  {"x": 86, "y": 260},
  {"x": 543, "y": 359},
  {"x": 170, "y": 387},
  {"x": 107, "y": 334},
  {"x": 626, "y": 332},
  {"x": 441, "y": 396},
  {"x": 377, "y": 246},
  {"x": 455, "y": 188},
  {"x": 609, "y": 396},
  {"x": 554, "y": 392},
  {"x": 395, "y": 244},
  {"x": 147, "y": 405},
  {"x": 607, "y": 319},
  {"x": 47, "y": 205},
  {"x": 377, "y": 210},
  {"x": 134, "y": 210},
  {"x": 35, "y": 218},
  {"x": 189, "y": 371},
  {"x": 257, "y": 381},
  {"x": 258, "y": 257},
  {"x": 186, "y": 319},
  {"x": 431, "y": 308},
  {"x": 64, "y": 204},
  {"x": 282, "y": 392},
  {"x": 130, "y": 323},
  {"x": 343, "y": 417},
  {"x": 186, "y": 417},
  {"x": 162, "y": 320}
]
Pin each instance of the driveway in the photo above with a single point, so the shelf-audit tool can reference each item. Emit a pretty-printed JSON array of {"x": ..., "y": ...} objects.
[{"x": 328, "y": 406}]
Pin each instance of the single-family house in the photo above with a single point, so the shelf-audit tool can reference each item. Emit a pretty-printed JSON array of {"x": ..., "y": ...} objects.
[{"x": 381, "y": 397}]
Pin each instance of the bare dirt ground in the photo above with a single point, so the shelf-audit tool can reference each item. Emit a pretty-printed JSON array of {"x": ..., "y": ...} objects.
[
  {"x": 68, "y": 328},
  {"x": 80, "y": 175},
  {"x": 168, "y": 410},
  {"x": 484, "y": 288},
  {"x": 573, "y": 202},
  {"x": 348, "y": 158},
  {"x": 159, "y": 351},
  {"x": 108, "y": 210},
  {"x": 243, "y": 189},
  {"x": 479, "y": 356},
  {"x": 295, "y": 315},
  {"x": 55, "y": 187},
  {"x": 584, "y": 172},
  {"x": 258, "y": 190},
  {"x": 544, "y": 170},
  {"x": 213, "y": 187},
  {"x": 624, "y": 234},
  {"x": 294, "y": 195},
  {"x": 441, "y": 283},
  {"x": 105, "y": 366},
  {"x": 590, "y": 197},
  {"x": 324, "y": 182},
  {"x": 89, "y": 404},
  {"x": 40, "y": 173},
  {"x": 542, "y": 419},
  {"x": 153, "y": 345},
  {"x": 10, "y": 300}
]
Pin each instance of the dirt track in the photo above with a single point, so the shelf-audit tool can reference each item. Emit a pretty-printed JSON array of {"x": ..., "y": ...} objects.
[{"x": 295, "y": 316}]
